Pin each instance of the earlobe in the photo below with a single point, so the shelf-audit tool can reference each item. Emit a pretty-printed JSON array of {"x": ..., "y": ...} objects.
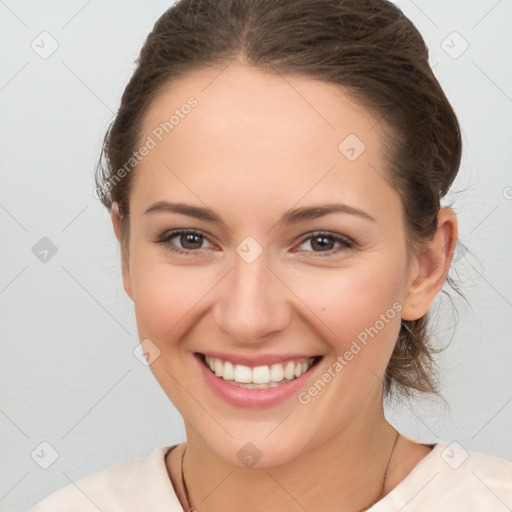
[
  {"x": 432, "y": 265},
  {"x": 117, "y": 224}
]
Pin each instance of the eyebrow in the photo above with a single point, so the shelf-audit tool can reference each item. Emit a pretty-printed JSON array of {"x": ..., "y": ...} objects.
[{"x": 292, "y": 216}]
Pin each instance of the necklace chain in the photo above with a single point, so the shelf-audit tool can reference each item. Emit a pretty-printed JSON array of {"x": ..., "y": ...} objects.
[{"x": 190, "y": 507}]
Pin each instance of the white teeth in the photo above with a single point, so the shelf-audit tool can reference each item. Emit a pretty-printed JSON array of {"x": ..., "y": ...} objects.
[
  {"x": 289, "y": 370},
  {"x": 218, "y": 367},
  {"x": 259, "y": 377},
  {"x": 228, "y": 371},
  {"x": 257, "y": 386},
  {"x": 277, "y": 372},
  {"x": 243, "y": 374}
]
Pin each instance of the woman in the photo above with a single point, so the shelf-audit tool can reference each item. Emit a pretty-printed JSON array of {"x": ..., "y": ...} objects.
[{"x": 274, "y": 176}]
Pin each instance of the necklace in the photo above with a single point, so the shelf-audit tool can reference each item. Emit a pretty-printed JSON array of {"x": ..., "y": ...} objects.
[{"x": 190, "y": 508}]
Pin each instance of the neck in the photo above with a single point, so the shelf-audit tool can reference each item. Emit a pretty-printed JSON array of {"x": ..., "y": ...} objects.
[{"x": 345, "y": 472}]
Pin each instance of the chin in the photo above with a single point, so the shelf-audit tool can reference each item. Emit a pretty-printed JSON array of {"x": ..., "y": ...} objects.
[{"x": 261, "y": 450}]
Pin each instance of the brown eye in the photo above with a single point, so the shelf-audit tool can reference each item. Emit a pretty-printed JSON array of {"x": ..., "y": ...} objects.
[
  {"x": 183, "y": 240},
  {"x": 191, "y": 241},
  {"x": 326, "y": 243},
  {"x": 322, "y": 243}
]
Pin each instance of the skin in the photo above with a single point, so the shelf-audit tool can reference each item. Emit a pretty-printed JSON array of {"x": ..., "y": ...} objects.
[{"x": 256, "y": 146}]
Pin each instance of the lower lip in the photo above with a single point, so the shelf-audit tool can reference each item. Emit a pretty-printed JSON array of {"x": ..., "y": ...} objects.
[{"x": 254, "y": 398}]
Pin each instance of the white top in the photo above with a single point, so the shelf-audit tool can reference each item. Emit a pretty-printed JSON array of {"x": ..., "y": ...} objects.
[{"x": 447, "y": 479}]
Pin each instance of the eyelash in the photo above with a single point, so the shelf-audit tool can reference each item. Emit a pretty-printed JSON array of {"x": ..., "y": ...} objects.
[
  {"x": 165, "y": 240},
  {"x": 345, "y": 242}
]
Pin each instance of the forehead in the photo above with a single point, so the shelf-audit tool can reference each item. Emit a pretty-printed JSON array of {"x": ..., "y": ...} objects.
[
  {"x": 242, "y": 94},
  {"x": 252, "y": 131}
]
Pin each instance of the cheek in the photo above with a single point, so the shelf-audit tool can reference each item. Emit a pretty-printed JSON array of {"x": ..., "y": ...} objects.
[
  {"x": 164, "y": 295},
  {"x": 355, "y": 304}
]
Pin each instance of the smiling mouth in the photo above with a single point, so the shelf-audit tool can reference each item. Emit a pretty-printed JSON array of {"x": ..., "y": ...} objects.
[{"x": 259, "y": 377}]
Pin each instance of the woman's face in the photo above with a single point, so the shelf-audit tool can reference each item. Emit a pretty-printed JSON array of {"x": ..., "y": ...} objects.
[{"x": 257, "y": 157}]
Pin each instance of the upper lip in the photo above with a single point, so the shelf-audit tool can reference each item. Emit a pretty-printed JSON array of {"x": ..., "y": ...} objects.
[{"x": 257, "y": 360}]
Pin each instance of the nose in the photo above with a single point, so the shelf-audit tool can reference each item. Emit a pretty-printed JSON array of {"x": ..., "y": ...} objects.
[{"x": 252, "y": 302}]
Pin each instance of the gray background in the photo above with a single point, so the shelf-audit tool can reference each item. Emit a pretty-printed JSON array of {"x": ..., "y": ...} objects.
[{"x": 69, "y": 375}]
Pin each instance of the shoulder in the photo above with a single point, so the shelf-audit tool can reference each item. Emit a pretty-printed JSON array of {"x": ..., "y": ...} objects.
[
  {"x": 136, "y": 485},
  {"x": 451, "y": 478},
  {"x": 461, "y": 467}
]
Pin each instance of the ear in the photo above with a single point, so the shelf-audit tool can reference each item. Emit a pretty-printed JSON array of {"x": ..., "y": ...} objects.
[
  {"x": 118, "y": 230},
  {"x": 430, "y": 266}
]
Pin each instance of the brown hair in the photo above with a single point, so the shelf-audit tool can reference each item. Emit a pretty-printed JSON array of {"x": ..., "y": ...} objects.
[{"x": 370, "y": 49}]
